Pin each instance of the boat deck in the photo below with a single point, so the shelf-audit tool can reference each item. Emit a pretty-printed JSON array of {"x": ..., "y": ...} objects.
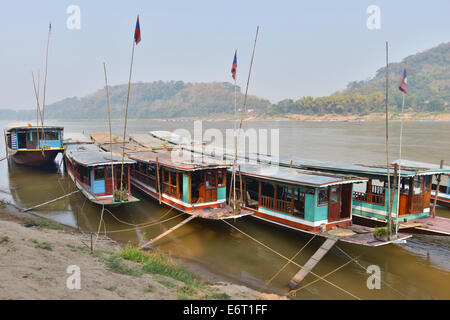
[
  {"x": 438, "y": 226},
  {"x": 218, "y": 213},
  {"x": 110, "y": 201},
  {"x": 360, "y": 235}
]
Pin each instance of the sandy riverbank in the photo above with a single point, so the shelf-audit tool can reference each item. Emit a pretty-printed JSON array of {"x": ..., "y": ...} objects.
[{"x": 35, "y": 254}]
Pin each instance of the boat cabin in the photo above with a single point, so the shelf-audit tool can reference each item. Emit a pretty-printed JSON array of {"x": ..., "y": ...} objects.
[
  {"x": 370, "y": 199},
  {"x": 98, "y": 174},
  {"x": 294, "y": 198},
  {"x": 29, "y": 137},
  {"x": 186, "y": 185}
]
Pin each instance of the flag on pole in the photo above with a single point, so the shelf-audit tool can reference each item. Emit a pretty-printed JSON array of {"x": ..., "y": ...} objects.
[
  {"x": 50, "y": 26},
  {"x": 403, "y": 87},
  {"x": 234, "y": 66},
  {"x": 137, "y": 32}
]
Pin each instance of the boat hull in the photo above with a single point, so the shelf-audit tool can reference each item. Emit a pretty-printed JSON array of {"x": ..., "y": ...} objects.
[{"x": 35, "y": 158}]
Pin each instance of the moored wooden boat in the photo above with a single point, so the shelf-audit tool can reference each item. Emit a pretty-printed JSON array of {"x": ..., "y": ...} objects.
[
  {"x": 97, "y": 174},
  {"x": 33, "y": 145},
  {"x": 195, "y": 185}
]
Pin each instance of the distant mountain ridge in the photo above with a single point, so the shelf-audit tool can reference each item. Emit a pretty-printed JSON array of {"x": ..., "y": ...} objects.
[{"x": 428, "y": 90}]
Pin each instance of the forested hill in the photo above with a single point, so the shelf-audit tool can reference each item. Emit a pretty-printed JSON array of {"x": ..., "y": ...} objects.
[
  {"x": 428, "y": 90},
  {"x": 158, "y": 99}
]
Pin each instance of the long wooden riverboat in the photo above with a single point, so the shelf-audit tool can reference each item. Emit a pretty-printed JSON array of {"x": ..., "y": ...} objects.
[
  {"x": 195, "y": 185},
  {"x": 97, "y": 174},
  {"x": 370, "y": 202},
  {"x": 31, "y": 145},
  {"x": 303, "y": 200}
]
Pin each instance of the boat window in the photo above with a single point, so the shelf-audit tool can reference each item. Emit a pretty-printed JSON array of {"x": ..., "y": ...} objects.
[
  {"x": 418, "y": 185},
  {"x": 21, "y": 140},
  {"x": 51, "y": 135},
  {"x": 99, "y": 173},
  {"x": 220, "y": 178},
  {"x": 323, "y": 197},
  {"x": 427, "y": 184},
  {"x": 151, "y": 170},
  {"x": 267, "y": 189},
  {"x": 173, "y": 178},
  {"x": 210, "y": 178},
  {"x": 334, "y": 194},
  {"x": 108, "y": 172},
  {"x": 33, "y": 136},
  {"x": 166, "y": 176}
]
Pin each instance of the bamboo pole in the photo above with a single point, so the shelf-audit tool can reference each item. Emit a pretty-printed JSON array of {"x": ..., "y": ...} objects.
[
  {"x": 126, "y": 116},
  {"x": 387, "y": 144},
  {"x": 45, "y": 79},
  {"x": 436, "y": 192},
  {"x": 110, "y": 131},
  {"x": 400, "y": 167},
  {"x": 169, "y": 231},
  {"x": 157, "y": 179}
]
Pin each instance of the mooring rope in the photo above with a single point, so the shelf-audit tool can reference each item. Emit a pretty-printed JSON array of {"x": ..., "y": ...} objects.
[
  {"x": 294, "y": 292},
  {"x": 145, "y": 226},
  {"x": 141, "y": 224},
  {"x": 287, "y": 263},
  {"x": 364, "y": 268},
  {"x": 293, "y": 262}
]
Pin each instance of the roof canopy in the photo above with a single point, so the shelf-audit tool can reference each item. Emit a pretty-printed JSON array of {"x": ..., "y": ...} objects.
[
  {"x": 296, "y": 176},
  {"x": 172, "y": 159},
  {"x": 90, "y": 155},
  {"x": 27, "y": 126}
]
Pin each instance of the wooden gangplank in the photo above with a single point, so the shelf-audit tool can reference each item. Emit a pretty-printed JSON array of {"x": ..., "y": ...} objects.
[
  {"x": 316, "y": 257},
  {"x": 162, "y": 235}
]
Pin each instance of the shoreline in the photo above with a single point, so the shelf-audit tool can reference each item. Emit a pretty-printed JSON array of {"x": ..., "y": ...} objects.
[
  {"x": 35, "y": 252},
  {"x": 393, "y": 116}
]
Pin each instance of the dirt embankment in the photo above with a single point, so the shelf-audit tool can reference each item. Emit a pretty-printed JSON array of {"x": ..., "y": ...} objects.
[{"x": 35, "y": 255}]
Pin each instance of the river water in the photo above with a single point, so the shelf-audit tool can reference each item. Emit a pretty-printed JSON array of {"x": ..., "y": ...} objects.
[{"x": 419, "y": 269}]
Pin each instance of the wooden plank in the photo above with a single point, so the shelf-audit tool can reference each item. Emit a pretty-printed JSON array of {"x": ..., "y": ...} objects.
[
  {"x": 316, "y": 257},
  {"x": 169, "y": 231},
  {"x": 433, "y": 211}
]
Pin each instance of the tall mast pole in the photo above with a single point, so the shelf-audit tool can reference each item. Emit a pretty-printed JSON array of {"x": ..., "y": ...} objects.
[
  {"x": 387, "y": 144},
  {"x": 110, "y": 131},
  {"x": 235, "y": 144},
  {"x": 242, "y": 118},
  {"x": 126, "y": 116},
  {"x": 45, "y": 75}
]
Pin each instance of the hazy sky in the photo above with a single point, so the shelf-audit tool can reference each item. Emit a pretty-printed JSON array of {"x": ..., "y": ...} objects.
[{"x": 304, "y": 47}]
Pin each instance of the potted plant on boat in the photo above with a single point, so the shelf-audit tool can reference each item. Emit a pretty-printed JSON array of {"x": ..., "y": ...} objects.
[{"x": 380, "y": 234}]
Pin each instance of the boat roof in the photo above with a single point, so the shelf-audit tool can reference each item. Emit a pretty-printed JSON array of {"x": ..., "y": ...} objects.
[
  {"x": 90, "y": 155},
  {"x": 166, "y": 159},
  {"x": 297, "y": 176},
  {"x": 118, "y": 147},
  {"x": 27, "y": 125},
  {"x": 146, "y": 140},
  {"x": 408, "y": 168},
  {"x": 104, "y": 137},
  {"x": 76, "y": 138}
]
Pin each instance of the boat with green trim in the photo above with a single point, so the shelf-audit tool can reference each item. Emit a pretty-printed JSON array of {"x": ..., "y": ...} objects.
[{"x": 97, "y": 174}]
